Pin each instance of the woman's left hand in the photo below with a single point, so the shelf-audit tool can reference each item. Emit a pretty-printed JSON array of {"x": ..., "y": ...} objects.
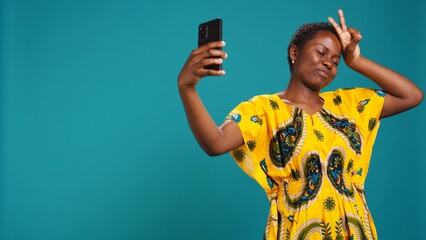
[
  {"x": 401, "y": 93},
  {"x": 349, "y": 38}
]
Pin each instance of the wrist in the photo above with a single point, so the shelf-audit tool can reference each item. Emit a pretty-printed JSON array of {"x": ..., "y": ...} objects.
[
  {"x": 354, "y": 62},
  {"x": 186, "y": 88}
]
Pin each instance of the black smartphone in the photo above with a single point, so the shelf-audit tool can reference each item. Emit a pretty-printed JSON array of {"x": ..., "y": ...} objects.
[{"x": 210, "y": 31}]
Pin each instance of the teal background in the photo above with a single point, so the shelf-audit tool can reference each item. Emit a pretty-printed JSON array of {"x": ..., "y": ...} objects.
[{"x": 95, "y": 143}]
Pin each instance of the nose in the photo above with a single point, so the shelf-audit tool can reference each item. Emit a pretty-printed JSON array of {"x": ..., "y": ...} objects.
[{"x": 327, "y": 63}]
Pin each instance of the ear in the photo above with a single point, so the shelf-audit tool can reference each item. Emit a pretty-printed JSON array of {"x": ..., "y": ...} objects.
[{"x": 294, "y": 50}]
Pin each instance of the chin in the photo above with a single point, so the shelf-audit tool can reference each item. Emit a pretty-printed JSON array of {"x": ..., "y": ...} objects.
[
  {"x": 319, "y": 86},
  {"x": 315, "y": 88}
]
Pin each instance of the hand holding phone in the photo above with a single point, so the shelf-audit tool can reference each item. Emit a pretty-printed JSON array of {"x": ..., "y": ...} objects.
[
  {"x": 210, "y": 31},
  {"x": 206, "y": 60}
]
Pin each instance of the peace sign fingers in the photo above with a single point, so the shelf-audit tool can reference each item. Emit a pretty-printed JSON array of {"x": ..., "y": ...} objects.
[
  {"x": 342, "y": 20},
  {"x": 349, "y": 38},
  {"x": 342, "y": 28}
]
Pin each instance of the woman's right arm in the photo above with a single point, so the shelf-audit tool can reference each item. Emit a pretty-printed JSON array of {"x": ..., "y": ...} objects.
[{"x": 213, "y": 139}]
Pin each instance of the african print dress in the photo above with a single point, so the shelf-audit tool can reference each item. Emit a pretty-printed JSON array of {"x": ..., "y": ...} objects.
[{"x": 312, "y": 167}]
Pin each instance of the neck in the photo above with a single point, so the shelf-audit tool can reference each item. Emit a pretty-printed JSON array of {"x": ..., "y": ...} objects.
[
  {"x": 296, "y": 92},
  {"x": 300, "y": 96}
]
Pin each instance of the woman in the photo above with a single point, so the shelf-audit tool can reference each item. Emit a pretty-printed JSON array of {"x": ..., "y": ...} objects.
[{"x": 308, "y": 150}]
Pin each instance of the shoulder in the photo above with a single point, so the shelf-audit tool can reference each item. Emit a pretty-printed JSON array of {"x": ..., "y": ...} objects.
[
  {"x": 263, "y": 98},
  {"x": 259, "y": 105},
  {"x": 355, "y": 102},
  {"x": 352, "y": 94},
  {"x": 260, "y": 101}
]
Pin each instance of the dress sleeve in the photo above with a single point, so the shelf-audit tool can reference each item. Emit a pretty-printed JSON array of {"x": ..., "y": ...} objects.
[
  {"x": 364, "y": 107},
  {"x": 250, "y": 117}
]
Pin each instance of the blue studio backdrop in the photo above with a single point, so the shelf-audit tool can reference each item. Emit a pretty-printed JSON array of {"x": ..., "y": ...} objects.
[{"x": 94, "y": 142}]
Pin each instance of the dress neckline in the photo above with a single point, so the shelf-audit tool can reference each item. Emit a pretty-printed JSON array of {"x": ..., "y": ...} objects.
[{"x": 296, "y": 107}]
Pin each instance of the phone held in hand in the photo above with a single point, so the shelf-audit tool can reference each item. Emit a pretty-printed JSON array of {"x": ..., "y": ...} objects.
[{"x": 210, "y": 31}]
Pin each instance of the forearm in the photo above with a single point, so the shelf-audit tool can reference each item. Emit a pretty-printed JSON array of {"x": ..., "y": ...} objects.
[
  {"x": 205, "y": 130},
  {"x": 402, "y": 94},
  {"x": 390, "y": 81}
]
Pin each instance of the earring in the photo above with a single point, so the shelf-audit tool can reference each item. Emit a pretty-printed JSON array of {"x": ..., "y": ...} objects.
[{"x": 292, "y": 61}]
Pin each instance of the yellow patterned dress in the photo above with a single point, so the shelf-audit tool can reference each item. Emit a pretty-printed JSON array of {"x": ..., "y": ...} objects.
[{"x": 312, "y": 167}]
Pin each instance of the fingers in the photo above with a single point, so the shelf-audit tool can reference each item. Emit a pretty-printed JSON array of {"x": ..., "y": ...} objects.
[
  {"x": 209, "y": 61},
  {"x": 210, "y": 53},
  {"x": 356, "y": 35},
  {"x": 342, "y": 20},
  {"x": 194, "y": 68},
  {"x": 209, "y": 50},
  {"x": 356, "y": 38},
  {"x": 211, "y": 57},
  {"x": 342, "y": 27},
  {"x": 206, "y": 55},
  {"x": 349, "y": 38},
  {"x": 210, "y": 72},
  {"x": 211, "y": 45},
  {"x": 335, "y": 25}
]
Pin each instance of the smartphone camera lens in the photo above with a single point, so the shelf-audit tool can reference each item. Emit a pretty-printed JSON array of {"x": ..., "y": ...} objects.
[{"x": 203, "y": 32}]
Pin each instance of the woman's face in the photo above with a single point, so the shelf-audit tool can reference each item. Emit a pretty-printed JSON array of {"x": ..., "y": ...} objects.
[{"x": 316, "y": 62}]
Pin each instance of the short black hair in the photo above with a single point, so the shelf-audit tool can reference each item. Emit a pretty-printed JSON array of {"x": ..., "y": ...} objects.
[{"x": 307, "y": 32}]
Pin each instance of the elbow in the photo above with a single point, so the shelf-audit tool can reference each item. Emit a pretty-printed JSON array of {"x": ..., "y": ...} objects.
[
  {"x": 421, "y": 96},
  {"x": 214, "y": 149},
  {"x": 212, "y": 152},
  {"x": 412, "y": 98},
  {"x": 417, "y": 97}
]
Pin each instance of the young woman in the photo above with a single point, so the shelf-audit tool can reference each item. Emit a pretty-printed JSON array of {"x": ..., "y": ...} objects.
[{"x": 309, "y": 151}]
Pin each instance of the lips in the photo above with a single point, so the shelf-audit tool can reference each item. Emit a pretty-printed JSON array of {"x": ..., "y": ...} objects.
[{"x": 324, "y": 73}]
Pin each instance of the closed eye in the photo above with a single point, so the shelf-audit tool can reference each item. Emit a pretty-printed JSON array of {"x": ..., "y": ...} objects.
[
  {"x": 321, "y": 53},
  {"x": 336, "y": 61}
]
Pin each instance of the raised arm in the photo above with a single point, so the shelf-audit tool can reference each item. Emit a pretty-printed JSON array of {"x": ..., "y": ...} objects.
[
  {"x": 401, "y": 93},
  {"x": 213, "y": 139}
]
